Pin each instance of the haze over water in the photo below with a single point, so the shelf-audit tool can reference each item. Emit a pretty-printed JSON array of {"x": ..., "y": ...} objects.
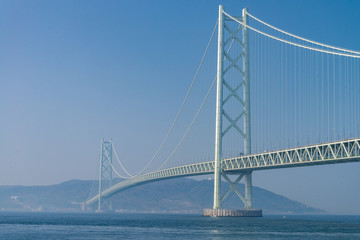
[{"x": 169, "y": 226}]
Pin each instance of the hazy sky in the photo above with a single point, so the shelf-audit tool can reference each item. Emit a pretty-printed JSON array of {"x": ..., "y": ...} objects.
[{"x": 72, "y": 72}]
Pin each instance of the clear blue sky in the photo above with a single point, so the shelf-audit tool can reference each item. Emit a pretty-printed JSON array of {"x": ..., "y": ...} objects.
[{"x": 72, "y": 72}]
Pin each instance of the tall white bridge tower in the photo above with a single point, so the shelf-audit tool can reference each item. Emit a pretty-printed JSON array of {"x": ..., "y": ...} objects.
[{"x": 240, "y": 93}]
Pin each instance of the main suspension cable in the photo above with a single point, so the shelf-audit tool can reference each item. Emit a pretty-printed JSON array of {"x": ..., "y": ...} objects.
[
  {"x": 292, "y": 43},
  {"x": 182, "y": 105},
  {"x": 113, "y": 168},
  {"x": 117, "y": 158},
  {"x": 196, "y": 115},
  {"x": 190, "y": 126},
  {"x": 304, "y": 39}
]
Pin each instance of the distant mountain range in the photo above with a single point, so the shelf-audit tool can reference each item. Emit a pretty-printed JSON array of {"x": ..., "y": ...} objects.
[{"x": 183, "y": 195}]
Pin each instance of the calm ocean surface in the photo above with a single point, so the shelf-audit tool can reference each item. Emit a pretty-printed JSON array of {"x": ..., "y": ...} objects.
[{"x": 173, "y": 226}]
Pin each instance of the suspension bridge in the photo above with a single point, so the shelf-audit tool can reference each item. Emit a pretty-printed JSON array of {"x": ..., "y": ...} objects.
[{"x": 304, "y": 111}]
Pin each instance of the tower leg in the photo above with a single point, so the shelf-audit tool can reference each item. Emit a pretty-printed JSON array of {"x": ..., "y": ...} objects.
[
  {"x": 219, "y": 109},
  {"x": 248, "y": 191},
  {"x": 247, "y": 122}
]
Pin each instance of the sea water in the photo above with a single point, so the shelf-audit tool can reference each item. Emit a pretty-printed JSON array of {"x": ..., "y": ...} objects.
[{"x": 174, "y": 226}]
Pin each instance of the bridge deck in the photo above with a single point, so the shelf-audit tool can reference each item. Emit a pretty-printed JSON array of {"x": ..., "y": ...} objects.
[{"x": 325, "y": 153}]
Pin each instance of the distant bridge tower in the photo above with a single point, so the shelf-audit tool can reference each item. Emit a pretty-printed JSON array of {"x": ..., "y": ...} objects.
[
  {"x": 105, "y": 174},
  {"x": 239, "y": 63}
]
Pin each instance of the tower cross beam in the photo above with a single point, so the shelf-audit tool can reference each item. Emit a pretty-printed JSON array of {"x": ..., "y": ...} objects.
[{"x": 233, "y": 187}]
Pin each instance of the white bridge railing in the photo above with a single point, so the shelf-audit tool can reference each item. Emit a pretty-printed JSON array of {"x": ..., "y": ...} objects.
[{"x": 325, "y": 153}]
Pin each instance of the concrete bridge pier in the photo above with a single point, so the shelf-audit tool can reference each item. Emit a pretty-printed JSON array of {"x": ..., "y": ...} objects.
[
  {"x": 217, "y": 211},
  {"x": 232, "y": 213}
]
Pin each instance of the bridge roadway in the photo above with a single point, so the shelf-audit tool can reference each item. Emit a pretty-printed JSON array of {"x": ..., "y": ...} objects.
[{"x": 325, "y": 153}]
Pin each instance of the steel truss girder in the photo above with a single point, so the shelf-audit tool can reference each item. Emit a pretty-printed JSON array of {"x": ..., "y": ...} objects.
[{"x": 325, "y": 153}]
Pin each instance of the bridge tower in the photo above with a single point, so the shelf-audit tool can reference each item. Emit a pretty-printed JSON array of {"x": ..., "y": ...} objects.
[
  {"x": 105, "y": 175},
  {"x": 239, "y": 62}
]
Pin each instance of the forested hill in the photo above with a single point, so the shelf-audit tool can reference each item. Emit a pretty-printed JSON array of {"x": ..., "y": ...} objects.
[{"x": 176, "y": 195}]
